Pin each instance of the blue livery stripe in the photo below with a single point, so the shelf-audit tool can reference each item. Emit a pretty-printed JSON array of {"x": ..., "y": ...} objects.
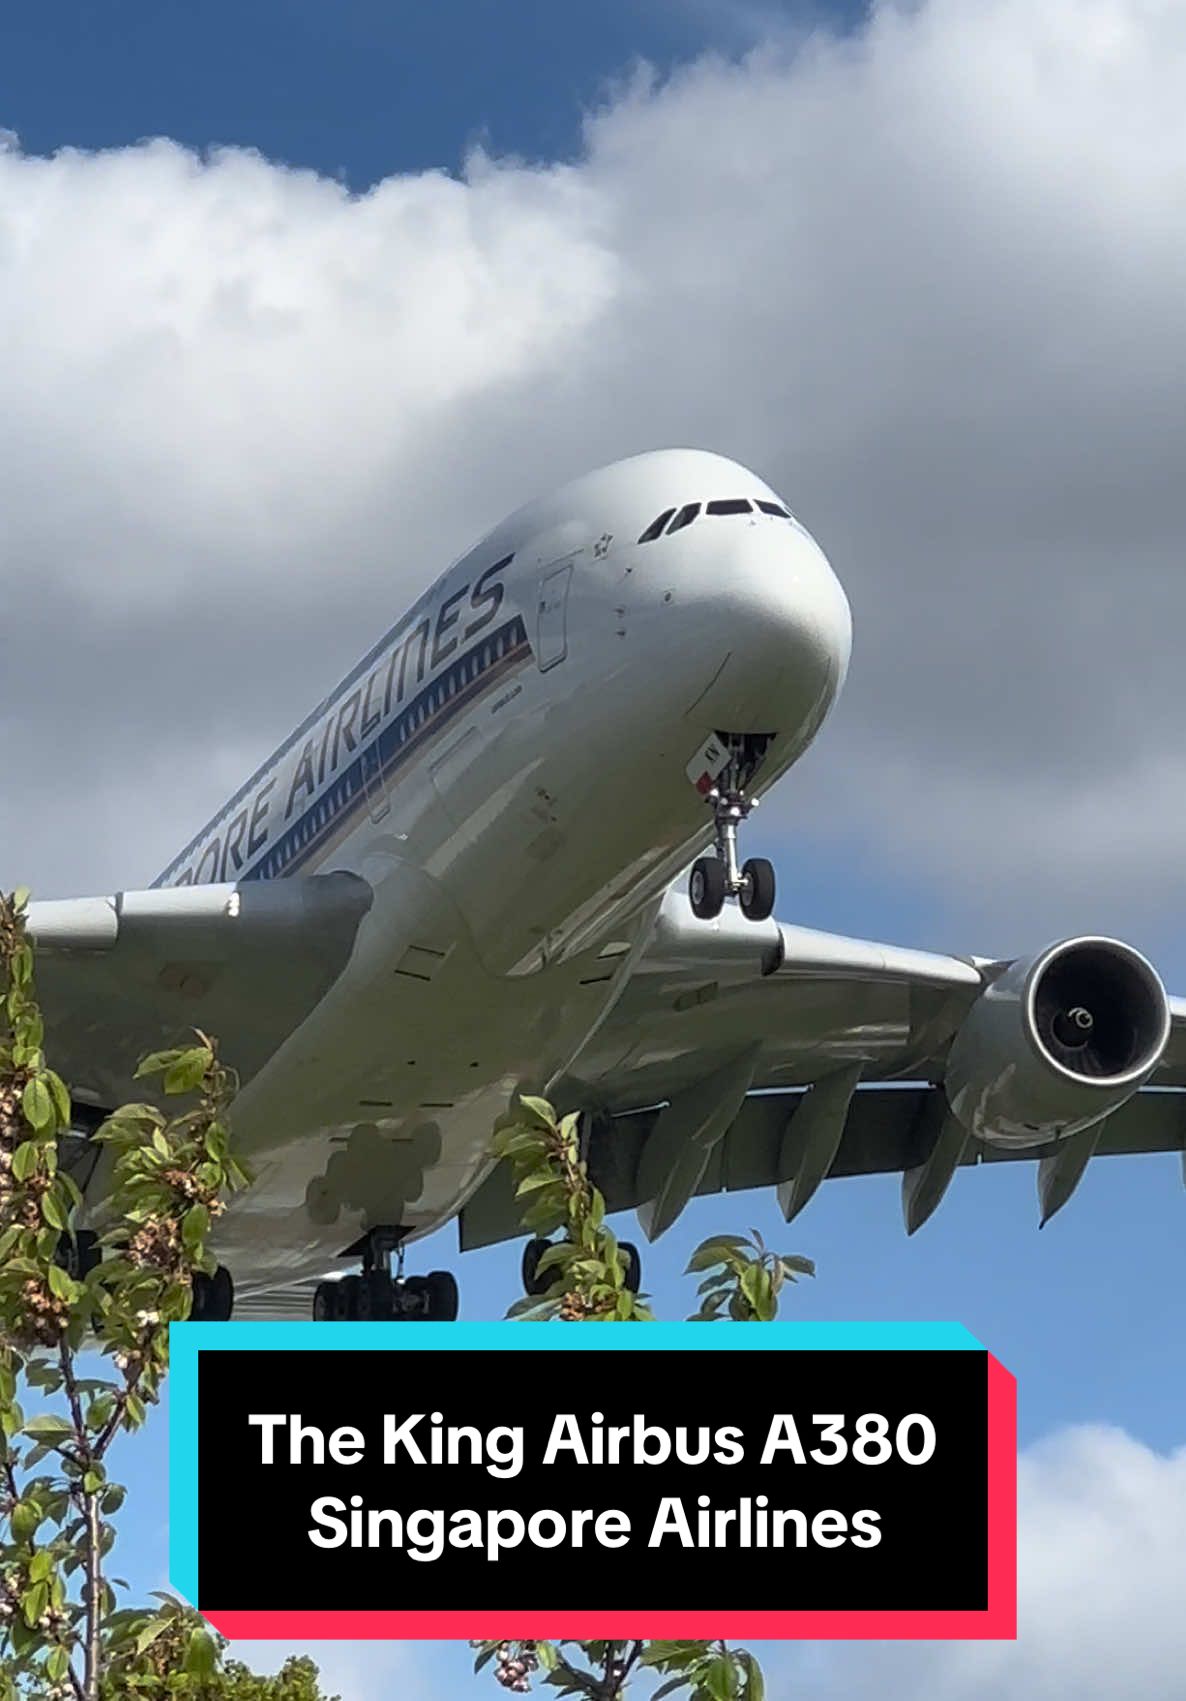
[{"x": 468, "y": 677}]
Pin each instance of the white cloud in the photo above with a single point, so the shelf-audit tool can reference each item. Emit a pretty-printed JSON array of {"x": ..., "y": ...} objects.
[
  {"x": 927, "y": 278},
  {"x": 1100, "y": 1557}
]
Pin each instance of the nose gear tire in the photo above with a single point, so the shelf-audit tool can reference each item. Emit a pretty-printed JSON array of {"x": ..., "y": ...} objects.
[
  {"x": 757, "y": 889},
  {"x": 706, "y": 887}
]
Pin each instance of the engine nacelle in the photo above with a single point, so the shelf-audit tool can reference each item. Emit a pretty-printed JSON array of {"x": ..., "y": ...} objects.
[{"x": 1057, "y": 1042}]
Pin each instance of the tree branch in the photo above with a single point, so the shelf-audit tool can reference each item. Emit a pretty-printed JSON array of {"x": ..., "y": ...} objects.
[{"x": 92, "y": 1600}]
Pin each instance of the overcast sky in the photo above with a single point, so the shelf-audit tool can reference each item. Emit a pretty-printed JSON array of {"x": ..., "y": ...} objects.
[
  {"x": 925, "y": 273},
  {"x": 928, "y": 278}
]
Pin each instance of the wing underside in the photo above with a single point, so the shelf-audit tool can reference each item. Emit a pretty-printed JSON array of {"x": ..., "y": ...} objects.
[
  {"x": 123, "y": 975},
  {"x": 739, "y": 1057},
  {"x": 889, "y": 1130}
]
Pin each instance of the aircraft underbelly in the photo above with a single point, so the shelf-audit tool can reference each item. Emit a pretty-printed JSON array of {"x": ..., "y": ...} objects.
[{"x": 379, "y": 1109}]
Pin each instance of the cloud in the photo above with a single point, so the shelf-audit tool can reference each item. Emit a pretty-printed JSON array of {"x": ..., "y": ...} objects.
[
  {"x": 1100, "y": 1522},
  {"x": 926, "y": 278}
]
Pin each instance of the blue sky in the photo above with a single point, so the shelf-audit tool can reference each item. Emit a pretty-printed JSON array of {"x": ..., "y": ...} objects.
[
  {"x": 362, "y": 87},
  {"x": 1084, "y": 1313}
]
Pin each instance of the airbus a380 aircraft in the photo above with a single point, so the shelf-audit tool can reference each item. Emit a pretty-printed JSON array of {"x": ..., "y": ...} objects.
[{"x": 457, "y": 880}]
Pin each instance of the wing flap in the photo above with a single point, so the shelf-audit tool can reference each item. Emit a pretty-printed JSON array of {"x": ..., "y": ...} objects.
[{"x": 888, "y": 1130}]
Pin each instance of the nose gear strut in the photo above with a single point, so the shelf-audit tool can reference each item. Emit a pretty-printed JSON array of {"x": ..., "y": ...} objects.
[{"x": 720, "y": 876}]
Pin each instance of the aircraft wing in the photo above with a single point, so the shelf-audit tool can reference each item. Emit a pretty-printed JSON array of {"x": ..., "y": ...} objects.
[
  {"x": 745, "y": 1055},
  {"x": 122, "y": 975}
]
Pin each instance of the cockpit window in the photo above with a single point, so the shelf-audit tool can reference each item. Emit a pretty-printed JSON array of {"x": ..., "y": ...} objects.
[
  {"x": 656, "y": 526},
  {"x": 665, "y": 523},
  {"x": 684, "y": 518}
]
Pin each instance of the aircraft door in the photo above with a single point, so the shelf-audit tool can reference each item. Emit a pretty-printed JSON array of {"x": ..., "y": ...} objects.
[{"x": 551, "y": 628}]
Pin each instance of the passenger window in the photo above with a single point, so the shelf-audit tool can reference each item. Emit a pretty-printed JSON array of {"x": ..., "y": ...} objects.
[
  {"x": 735, "y": 505},
  {"x": 773, "y": 508},
  {"x": 684, "y": 518},
  {"x": 656, "y": 526}
]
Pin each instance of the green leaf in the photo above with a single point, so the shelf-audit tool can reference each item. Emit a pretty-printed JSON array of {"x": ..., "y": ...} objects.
[
  {"x": 714, "y": 1251},
  {"x": 48, "y": 1426},
  {"x": 41, "y": 1566},
  {"x": 755, "y": 1688},
  {"x": 201, "y": 1655},
  {"x": 195, "y": 1228},
  {"x": 38, "y": 1105},
  {"x": 721, "y": 1678},
  {"x": 188, "y": 1070},
  {"x": 113, "y": 1499},
  {"x": 154, "y": 1063},
  {"x": 557, "y": 1256},
  {"x": 539, "y": 1112},
  {"x": 149, "y": 1633},
  {"x": 51, "y": 1210},
  {"x": 523, "y": 1307},
  {"x": 796, "y": 1266},
  {"x": 60, "y": 1094},
  {"x": 24, "y": 1160},
  {"x": 34, "y": 1602},
  {"x": 530, "y": 1183}
]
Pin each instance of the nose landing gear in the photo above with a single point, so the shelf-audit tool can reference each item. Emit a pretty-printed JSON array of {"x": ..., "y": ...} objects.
[{"x": 720, "y": 876}]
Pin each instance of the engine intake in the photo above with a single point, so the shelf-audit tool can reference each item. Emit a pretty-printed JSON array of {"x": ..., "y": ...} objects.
[{"x": 1057, "y": 1042}]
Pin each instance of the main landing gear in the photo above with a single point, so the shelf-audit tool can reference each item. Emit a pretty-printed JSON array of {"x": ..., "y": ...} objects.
[
  {"x": 213, "y": 1297},
  {"x": 377, "y": 1296},
  {"x": 717, "y": 877},
  {"x": 536, "y": 1284}
]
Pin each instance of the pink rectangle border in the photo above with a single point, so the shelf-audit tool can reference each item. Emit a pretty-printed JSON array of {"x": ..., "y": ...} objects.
[{"x": 998, "y": 1622}]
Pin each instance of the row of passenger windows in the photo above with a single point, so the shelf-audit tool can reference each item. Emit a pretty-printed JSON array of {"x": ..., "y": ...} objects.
[{"x": 671, "y": 520}]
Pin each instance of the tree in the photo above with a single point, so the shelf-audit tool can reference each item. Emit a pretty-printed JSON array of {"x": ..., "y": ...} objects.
[
  {"x": 741, "y": 1277},
  {"x": 61, "y": 1636}
]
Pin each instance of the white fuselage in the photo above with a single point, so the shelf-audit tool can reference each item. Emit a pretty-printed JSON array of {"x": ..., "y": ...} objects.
[{"x": 508, "y": 769}]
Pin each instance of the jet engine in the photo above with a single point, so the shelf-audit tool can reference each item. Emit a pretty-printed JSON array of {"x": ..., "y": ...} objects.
[{"x": 1057, "y": 1042}]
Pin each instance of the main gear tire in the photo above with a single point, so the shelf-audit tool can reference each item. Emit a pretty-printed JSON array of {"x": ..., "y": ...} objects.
[
  {"x": 534, "y": 1284},
  {"x": 444, "y": 1299}
]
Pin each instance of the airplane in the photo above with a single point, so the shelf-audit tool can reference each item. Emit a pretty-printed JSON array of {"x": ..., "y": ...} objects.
[{"x": 462, "y": 877}]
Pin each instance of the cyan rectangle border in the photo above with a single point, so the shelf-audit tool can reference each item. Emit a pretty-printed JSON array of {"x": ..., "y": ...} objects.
[{"x": 187, "y": 1340}]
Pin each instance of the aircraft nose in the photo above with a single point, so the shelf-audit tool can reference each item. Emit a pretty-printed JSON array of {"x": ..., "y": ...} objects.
[{"x": 785, "y": 631}]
